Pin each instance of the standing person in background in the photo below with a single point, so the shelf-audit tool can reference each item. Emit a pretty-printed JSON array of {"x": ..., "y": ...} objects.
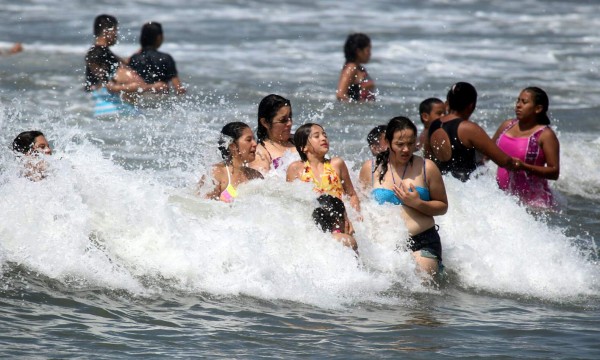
[
  {"x": 354, "y": 83},
  {"x": 152, "y": 65},
  {"x": 531, "y": 142},
  {"x": 429, "y": 111},
  {"x": 454, "y": 139},
  {"x": 274, "y": 133},
  {"x": 112, "y": 83}
]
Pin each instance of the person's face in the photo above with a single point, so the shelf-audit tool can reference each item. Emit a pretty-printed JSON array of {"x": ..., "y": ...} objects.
[
  {"x": 437, "y": 111},
  {"x": 379, "y": 146},
  {"x": 111, "y": 35},
  {"x": 363, "y": 55},
  {"x": 317, "y": 144},
  {"x": 403, "y": 144},
  {"x": 41, "y": 146},
  {"x": 281, "y": 127},
  {"x": 525, "y": 107},
  {"x": 245, "y": 147}
]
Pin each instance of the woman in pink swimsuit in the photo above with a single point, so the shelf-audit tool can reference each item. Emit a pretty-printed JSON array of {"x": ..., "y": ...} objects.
[{"x": 534, "y": 147}]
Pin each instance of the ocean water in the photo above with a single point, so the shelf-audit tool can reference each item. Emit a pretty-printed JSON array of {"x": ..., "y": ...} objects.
[{"x": 114, "y": 255}]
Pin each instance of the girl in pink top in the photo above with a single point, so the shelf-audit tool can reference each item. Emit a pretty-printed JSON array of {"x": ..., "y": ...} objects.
[{"x": 534, "y": 147}]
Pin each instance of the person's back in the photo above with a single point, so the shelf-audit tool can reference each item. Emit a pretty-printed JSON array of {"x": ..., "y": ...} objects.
[
  {"x": 153, "y": 65},
  {"x": 454, "y": 140}
]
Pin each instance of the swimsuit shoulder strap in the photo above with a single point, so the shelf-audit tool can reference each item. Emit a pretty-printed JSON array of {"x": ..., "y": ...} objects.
[
  {"x": 264, "y": 145},
  {"x": 533, "y": 148},
  {"x": 424, "y": 172},
  {"x": 228, "y": 176},
  {"x": 510, "y": 125},
  {"x": 372, "y": 172}
]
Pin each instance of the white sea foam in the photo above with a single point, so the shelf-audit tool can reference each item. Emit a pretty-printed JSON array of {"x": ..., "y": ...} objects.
[{"x": 94, "y": 221}]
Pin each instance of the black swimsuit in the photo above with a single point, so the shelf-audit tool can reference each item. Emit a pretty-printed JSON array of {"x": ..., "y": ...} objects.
[{"x": 463, "y": 161}]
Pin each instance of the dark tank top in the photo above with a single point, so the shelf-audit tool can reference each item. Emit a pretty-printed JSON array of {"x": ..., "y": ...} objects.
[{"x": 463, "y": 161}]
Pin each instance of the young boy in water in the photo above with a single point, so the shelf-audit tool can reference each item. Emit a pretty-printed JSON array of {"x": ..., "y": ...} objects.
[
  {"x": 376, "y": 140},
  {"x": 330, "y": 217},
  {"x": 429, "y": 110},
  {"x": 151, "y": 64}
]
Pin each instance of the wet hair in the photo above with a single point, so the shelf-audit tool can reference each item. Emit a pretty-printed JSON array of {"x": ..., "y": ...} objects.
[
  {"x": 301, "y": 138},
  {"x": 23, "y": 143},
  {"x": 230, "y": 133},
  {"x": 355, "y": 42},
  {"x": 461, "y": 95},
  {"x": 150, "y": 33},
  {"x": 426, "y": 106},
  {"x": 267, "y": 109},
  {"x": 329, "y": 216},
  {"x": 104, "y": 22},
  {"x": 375, "y": 134},
  {"x": 540, "y": 98},
  {"x": 398, "y": 123}
]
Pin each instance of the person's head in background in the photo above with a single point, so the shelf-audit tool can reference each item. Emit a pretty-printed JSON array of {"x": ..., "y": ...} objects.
[
  {"x": 357, "y": 48},
  {"x": 430, "y": 110},
  {"x": 31, "y": 143},
  {"x": 152, "y": 35},
  {"x": 376, "y": 139},
  {"x": 462, "y": 99},
  {"x": 106, "y": 27},
  {"x": 329, "y": 216}
]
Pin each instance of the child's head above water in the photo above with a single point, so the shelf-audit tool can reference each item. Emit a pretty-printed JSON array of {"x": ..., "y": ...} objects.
[{"x": 329, "y": 216}]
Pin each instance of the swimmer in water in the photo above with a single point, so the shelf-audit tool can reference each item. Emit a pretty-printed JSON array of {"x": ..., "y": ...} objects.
[
  {"x": 32, "y": 144},
  {"x": 454, "y": 140},
  {"x": 238, "y": 149},
  {"x": 429, "y": 111},
  {"x": 354, "y": 84},
  {"x": 152, "y": 65},
  {"x": 414, "y": 183},
  {"x": 330, "y": 217},
  {"x": 535, "y": 148},
  {"x": 112, "y": 83},
  {"x": 273, "y": 133}
]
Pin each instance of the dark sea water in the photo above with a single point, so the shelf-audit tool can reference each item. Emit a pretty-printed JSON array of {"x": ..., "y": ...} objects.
[{"x": 114, "y": 256}]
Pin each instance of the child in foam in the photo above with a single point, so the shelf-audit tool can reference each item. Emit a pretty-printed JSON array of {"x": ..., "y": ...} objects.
[
  {"x": 238, "y": 148},
  {"x": 534, "y": 147},
  {"x": 32, "y": 144},
  {"x": 330, "y": 217}
]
